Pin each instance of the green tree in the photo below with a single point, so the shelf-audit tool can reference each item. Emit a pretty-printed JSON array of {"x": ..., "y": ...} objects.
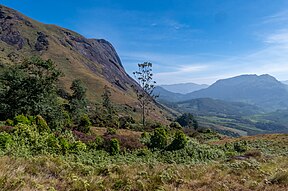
[
  {"x": 144, "y": 77},
  {"x": 78, "y": 100},
  {"x": 114, "y": 147},
  {"x": 30, "y": 88},
  {"x": 107, "y": 104},
  {"x": 187, "y": 120},
  {"x": 159, "y": 139},
  {"x": 179, "y": 142}
]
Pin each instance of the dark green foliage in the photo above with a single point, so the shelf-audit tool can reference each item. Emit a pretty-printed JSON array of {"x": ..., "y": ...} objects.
[
  {"x": 179, "y": 142},
  {"x": 114, "y": 147},
  {"x": 84, "y": 124},
  {"x": 159, "y": 138},
  {"x": 108, "y": 111},
  {"x": 106, "y": 102},
  {"x": 240, "y": 146},
  {"x": 5, "y": 140},
  {"x": 77, "y": 101},
  {"x": 187, "y": 120},
  {"x": 175, "y": 125},
  {"x": 125, "y": 122},
  {"x": 28, "y": 87}
]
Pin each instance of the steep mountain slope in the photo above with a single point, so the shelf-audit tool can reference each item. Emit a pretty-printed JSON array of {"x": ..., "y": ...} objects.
[
  {"x": 264, "y": 91},
  {"x": 94, "y": 61},
  {"x": 184, "y": 88}
]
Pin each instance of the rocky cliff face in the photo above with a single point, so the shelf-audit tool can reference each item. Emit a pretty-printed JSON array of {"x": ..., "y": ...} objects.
[{"x": 22, "y": 37}]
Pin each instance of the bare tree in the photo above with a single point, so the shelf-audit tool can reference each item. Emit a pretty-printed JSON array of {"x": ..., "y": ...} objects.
[{"x": 144, "y": 77}]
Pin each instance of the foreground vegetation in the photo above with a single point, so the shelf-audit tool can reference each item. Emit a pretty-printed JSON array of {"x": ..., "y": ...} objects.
[
  {"x": 263, "y": 166},
  {"x": 51, "y": 139}
]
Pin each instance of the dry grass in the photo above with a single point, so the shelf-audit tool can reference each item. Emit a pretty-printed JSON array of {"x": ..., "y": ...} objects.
[
  {"x": 48, "y": 173},
  {"x": 100, "y": 131}
]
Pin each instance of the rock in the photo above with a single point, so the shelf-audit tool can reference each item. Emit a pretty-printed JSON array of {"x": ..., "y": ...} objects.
[{"x": 42, "y": 42}]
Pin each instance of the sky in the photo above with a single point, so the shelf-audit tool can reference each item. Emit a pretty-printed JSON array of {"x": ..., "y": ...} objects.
[{"x": 197, "y": 41}]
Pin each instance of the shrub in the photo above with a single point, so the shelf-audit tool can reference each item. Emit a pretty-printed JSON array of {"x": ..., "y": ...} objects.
[
  {"x": 84, "y": 125},
  {"x": 41, "y": 124},
  {"x": 240, "y": 146},
  {"x": 187, "y": 120},
  {"x": 9, "y": 122},
  {"x": 114, "y": 147},
  {"x": 78, "y": 146},
  {"x": 125, "y": 122},
  {"x": 64, "y": 144},
  {"x": 175, "y": 125},
  {"x": 179, "y": 142},
  {"x": 5, "y": 140},
  {"x": 21, "y": 119},
  {"x": 159, "y": 138}
]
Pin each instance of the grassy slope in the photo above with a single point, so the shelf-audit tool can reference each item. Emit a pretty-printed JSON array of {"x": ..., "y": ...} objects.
[
  {"x": 265, "y": 172},
  {"x": 73, "y": 63}
]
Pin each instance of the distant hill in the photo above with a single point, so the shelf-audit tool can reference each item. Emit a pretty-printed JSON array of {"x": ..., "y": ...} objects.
[
  {"x": 264, "y": 91},
  {"x": 167, "y": 96},
  {"x": 218, "y": 107},
  {"x": 184, "y": 88}
]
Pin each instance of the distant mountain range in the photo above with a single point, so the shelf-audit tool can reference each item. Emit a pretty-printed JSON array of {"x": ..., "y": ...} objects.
[
  {"x": 184, "y": 88},
  {"x": 243, "y": 105},
  {"x": 264, "y": 91}
]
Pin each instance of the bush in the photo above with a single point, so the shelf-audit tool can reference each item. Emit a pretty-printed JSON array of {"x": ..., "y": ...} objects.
[
  {"x": 159, "y": 138},
  {"x": 125, "y": 122},
  {"x": 175, "y": 125},
  {"x": 21, "y": 119},
  {"x": 240, "y": 146},
  {"x": 78, "y": 146},
  {"x": 9, "y": 122},
  {"x": 179, "y": 142},
  {"x": 114, "y": 147},
  {"x": 41, "y": 124},
  {"x": 84, "y": 125},
  {"x": 187, "y": 120},
  {"x": 5, "y": 140}
]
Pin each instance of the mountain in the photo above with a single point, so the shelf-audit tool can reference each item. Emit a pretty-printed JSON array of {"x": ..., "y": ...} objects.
[
  {"x": 264, "y": 91},
  {"x": 167, "y": 96},
  {"x": 218, "y": 107},
  {"x": 94, "y": 61},
  {"x": 184, "y": 88}
]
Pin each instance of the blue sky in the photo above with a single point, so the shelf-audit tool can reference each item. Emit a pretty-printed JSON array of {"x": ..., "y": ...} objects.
[{"x": 186, "y": 40}]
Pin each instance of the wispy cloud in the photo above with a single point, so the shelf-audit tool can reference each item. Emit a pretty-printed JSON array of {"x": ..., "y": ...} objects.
[{"x": 279, "y": 17}]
